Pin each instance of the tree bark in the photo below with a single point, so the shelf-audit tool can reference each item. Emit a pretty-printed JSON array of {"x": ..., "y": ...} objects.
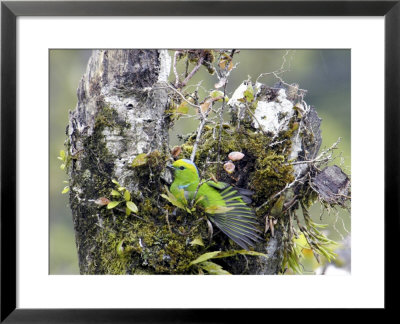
[{"x": 121, "y": 115}]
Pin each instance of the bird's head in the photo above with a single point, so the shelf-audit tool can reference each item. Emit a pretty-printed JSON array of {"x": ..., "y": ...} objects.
[{"x": 185, "y": 169}]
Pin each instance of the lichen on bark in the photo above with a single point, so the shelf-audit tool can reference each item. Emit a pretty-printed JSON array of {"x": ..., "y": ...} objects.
[
  {"x": 125, "y": 109},
  {"x": 120, "y": 114}
]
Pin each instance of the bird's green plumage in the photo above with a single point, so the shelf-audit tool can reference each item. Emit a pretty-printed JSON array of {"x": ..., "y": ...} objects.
[{"x": 223, "y": 203}]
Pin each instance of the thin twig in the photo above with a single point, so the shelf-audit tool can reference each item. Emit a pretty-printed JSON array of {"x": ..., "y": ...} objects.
[
  {"x": 284, "y": 59},
  {"x": 309, "y": 161},
  {"x": 187, "y": 67},
  {"x": 199, "y": 131},
  {"x": 191, "y": 74},
  {"x": 277, "y": 72},
  {"x": 166, "y": 218},
  {"x": 182, "y": 96},
  {"x": 277, "y": 142},
  {"x": 204, "y": 120},
  {"x": 298, "y": 179},
  {"x": 221, "y": 120},
  {"x": 175, "y": 70},
  {"x": 225, "y": 75},
  {"x": 254, "y": 117}
]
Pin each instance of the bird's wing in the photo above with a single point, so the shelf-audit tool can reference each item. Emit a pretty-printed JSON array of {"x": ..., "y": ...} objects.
[
  {"x": 245, "y": 194},
  {"x": 239, "y": 222},
  {"x": 218, "y": 185}
]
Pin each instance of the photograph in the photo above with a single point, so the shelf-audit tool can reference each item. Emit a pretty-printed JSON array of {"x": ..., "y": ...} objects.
[
  {"x": 161, "y": 159},
  {"x": 200, "y": 161}
]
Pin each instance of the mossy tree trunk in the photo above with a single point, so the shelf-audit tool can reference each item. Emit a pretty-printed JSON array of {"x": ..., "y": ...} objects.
[
  {"x": 119, "y": 115},
  {"x": 123, "y": 115}
]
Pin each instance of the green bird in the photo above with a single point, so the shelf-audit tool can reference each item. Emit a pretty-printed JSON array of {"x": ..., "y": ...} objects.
[{"x": 224, "y": 205}]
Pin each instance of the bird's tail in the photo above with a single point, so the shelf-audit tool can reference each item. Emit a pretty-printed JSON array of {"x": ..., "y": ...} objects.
[
  {"x": 239, "y": 222},
  {"x": 245, "y": 194}
]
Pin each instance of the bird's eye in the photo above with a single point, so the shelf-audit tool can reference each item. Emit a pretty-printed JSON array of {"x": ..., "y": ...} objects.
[{"x": 182, "y": 167}]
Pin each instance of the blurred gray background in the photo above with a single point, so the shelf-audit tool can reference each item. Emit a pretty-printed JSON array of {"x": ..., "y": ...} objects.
[{"x": 324, "y": 73}]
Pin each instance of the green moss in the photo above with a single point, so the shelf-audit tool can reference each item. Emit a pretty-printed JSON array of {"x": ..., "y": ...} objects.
[
  {"x": 186, "y": 151},
  {"x": 145, "y": 243},
  {"x": 148, "y": 247},
  {"x": 271, "y": 175},
  {"x": 263, "y": 170},
  {"x": 108, "y": 117}
]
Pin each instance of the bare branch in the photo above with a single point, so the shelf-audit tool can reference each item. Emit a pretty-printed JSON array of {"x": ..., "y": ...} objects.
[
  {"x": 175, "y": 70},
  {"x": 199, "y": 131},
  {"x": 192, "y": 73},
  {"x": 182, "y": 96}
]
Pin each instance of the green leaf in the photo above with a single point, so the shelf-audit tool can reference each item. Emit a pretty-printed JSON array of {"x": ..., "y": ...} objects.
[
  {"x": 254, "y": 253},
  {"x": 249, "y": 93},
  {"x": 120, "y": 248},
  {"x": 116, "y": 182},
  {"x": 300, "y": 243},
  {"x": 62, "y": 155},
  {"x": 112, "y": 204},
  {"x": 197, "y": 241},
  {"x": 174, "y": 201},
  {"x": 216, "y": 94},
  {"x": 276, "y": 209},
  {"x": 213, "y": 268},
  {"x": 293, "y": 264},
  {"x": 65, "y": 190},
  {"x": 115, "y": 193},
  {"x": 139, "y": 160},
  {"x": 328, "y": 253},
  {"x": 132, "y": 206},
  {"x": 225, "y": 254},
  {"x": 205, "y": 257},
  {"x": 183, "y": 108},
  {"x": 127, "y": 211},
  {"x": 127, "y": 195},
  {"x": 62, "y": 166},
  {"x": 320, "y": 225},
  {"x": 254, "y": 105}
]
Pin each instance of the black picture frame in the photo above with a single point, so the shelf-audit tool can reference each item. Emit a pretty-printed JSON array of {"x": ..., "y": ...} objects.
[{"x": 11, "y": 10}]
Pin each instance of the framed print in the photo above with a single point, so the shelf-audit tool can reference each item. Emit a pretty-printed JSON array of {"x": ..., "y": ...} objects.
[{"x": 227, "y": 193}]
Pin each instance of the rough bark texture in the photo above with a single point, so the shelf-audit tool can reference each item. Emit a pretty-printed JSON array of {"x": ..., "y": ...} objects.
[
  {"x": 332, "y": 185},
  {"x": 121, "y": 113}
]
